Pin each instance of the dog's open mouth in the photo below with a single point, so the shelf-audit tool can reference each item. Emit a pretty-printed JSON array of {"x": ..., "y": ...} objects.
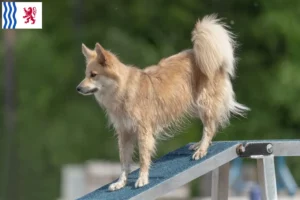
[
  {"x": 93, "y": 90},
  {"x": 88, "y": 92}
]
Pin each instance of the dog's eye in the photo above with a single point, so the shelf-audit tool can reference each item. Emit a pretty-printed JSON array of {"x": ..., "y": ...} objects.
[{"x": 93, "y": 74}]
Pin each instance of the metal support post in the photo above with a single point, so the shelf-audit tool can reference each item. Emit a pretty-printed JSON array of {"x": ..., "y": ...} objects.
[
  {"x": 267, "y": 177},
  {"x": 220, "y": 182}
]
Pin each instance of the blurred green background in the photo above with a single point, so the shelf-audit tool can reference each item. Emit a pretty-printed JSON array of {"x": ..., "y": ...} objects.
[{"x": 45, "y": 123}]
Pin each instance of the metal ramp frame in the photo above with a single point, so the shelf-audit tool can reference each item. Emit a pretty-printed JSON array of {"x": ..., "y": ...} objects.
[{"x": 177, "y": 168}]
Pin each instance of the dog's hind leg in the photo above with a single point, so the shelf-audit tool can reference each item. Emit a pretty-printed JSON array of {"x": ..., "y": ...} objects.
[
  {"x": 208, "y": 106},
  {"x": 209, "y": 130},
  {"x": 146, "y": 143},
  {"x": 126, "y": 147}
]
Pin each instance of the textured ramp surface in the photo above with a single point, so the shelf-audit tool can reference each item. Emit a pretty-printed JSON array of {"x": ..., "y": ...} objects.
[{"x": 166, "y": 168}]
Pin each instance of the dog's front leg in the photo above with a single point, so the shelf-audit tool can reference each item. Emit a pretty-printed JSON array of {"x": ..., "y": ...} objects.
[
  {"x": 126, "y": 147},
  {"x": 146, "y": 143}
]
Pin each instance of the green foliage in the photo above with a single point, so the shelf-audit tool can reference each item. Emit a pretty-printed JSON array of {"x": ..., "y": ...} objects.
[{"x": 56, "y": 126}]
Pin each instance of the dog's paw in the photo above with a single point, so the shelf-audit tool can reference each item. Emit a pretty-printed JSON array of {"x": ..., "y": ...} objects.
[
  {"x": 116, "y": 186},
  {"x": 195, "y": 146},
  {"x": 141, "y": 181},
  {"x": 199, "y": 154}
]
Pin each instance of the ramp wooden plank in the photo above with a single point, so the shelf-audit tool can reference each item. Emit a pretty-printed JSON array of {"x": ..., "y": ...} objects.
[{"x": 170, "y": 172}]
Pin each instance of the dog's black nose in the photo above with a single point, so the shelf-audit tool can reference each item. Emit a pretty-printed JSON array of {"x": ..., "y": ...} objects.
[{"x": 78, "y": 89}]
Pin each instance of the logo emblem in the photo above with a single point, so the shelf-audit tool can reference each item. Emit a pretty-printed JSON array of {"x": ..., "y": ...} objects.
[
  {"x": 21, "y": 15},
  {"x": 30, "y": 14}
]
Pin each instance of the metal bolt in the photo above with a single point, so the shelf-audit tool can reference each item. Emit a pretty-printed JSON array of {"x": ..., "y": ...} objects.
[
  {"x": 241, "y": 149},
  {"x": 269, "y": 148}
]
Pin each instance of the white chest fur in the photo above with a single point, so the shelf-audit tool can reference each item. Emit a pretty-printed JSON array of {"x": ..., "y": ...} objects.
[{"x": 118, "y": 117}]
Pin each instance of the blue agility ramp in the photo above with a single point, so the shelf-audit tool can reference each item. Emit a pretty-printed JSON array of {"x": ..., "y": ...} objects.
[{"x": 177, "y": 168}]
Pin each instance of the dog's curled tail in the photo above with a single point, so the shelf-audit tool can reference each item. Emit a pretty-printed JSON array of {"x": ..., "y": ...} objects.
[{"x": 213, "y": 46}]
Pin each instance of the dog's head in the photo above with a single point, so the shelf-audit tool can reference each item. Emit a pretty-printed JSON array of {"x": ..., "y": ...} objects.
[{"x": 100, "y": 73}]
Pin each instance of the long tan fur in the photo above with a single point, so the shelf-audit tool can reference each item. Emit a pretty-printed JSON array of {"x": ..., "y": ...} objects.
[{"x": 141, "y": 104}]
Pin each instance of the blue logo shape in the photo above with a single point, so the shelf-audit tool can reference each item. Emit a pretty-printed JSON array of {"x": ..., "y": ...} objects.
[
  {"x": 14, "y": 15},
  {"x": 5, "y": 11},
  {"x": 10, "y": 20}
]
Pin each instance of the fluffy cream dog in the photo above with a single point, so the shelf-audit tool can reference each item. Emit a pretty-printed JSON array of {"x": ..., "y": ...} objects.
[{"x": 142, "y": 104}]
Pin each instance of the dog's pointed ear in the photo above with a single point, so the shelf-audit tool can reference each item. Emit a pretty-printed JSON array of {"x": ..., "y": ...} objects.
[
  {"x": 101, "y": 54},
  {"x": 88, "y": 53}
]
